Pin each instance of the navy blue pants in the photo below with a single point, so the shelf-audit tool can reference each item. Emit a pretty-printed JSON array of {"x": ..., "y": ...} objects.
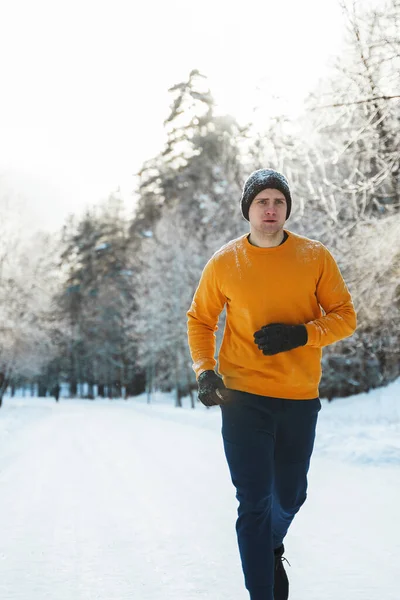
[{"x": 268, "y": 444}]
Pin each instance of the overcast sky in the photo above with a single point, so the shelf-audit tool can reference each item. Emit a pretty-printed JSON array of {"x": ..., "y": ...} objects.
[{"x": 84, "y": 83}]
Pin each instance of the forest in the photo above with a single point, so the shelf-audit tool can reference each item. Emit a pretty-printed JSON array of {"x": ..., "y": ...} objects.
[{"x": 99, "y": 307}]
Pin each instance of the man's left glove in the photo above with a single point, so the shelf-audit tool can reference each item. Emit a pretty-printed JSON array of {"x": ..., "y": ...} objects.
[{"x": 277, "y": 337}]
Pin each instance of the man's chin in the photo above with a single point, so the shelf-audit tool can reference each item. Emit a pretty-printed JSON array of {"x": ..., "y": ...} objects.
[{"x": 271, "y": 228}]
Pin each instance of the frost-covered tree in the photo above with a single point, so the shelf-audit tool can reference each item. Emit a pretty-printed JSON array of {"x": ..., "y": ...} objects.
[
  {"x": 26, "y": 286},
  {"x": 354, "y": 117},
  {"x": 95, "y": 300},
  {"x": 199, "y": 170},
  {"x": 371, "y": 357},
  {"x": 188, "y": 207},
  {"x": 171, "y": 262}
]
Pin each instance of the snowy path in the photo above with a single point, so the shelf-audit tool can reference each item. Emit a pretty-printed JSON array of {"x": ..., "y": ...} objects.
[{"x": 118, "y": 501}]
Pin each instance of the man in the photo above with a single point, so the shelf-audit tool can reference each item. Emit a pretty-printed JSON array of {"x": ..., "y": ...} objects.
[{"x": 285, "y": 299}]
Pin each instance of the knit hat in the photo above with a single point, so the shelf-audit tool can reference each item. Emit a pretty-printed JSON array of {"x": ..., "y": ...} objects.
[{"x": 261, "y": 180}]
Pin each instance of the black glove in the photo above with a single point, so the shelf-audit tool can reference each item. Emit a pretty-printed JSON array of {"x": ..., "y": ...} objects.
[
  {"x": 277, "y": 337},
  {"x": 210, "y": 386}
]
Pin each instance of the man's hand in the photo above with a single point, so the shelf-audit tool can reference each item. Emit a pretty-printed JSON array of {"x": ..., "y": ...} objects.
[
  {"x": 211, "y": 388},
  {"x": 277, "y": 337}
]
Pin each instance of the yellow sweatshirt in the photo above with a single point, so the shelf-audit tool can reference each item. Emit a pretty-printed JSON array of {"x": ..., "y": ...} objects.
[{"x": 258, "y": 286}]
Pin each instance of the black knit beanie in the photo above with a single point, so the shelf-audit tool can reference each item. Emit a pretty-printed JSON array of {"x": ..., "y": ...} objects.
[{"x": 262, "y": 180}]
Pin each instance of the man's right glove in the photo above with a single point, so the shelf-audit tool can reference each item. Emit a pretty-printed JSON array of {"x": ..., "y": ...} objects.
[{"x": 211, "y": 388}]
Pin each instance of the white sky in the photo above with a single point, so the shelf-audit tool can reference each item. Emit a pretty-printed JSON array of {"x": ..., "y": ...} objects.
[{"x": 84, "y": 83}]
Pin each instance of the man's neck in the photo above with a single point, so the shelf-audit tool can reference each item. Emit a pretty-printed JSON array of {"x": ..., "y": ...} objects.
[{"x": 266, "y": 240}]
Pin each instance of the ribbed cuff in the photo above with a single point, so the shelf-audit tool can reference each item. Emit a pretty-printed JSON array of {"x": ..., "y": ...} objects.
[{"x": 300, "y": 335}]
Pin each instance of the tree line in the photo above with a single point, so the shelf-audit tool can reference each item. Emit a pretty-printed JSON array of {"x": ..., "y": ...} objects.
[{"x": 101, "y": 306}]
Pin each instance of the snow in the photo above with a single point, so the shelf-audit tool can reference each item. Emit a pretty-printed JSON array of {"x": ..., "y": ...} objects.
[{"x": 118, "y": 500}]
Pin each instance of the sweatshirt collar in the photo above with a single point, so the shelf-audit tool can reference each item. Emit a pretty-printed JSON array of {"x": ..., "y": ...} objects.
[{"x": 275, "y": 249}]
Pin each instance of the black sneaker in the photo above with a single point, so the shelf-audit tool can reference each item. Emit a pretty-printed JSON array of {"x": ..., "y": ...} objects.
[{"x": 281, "y": 582}]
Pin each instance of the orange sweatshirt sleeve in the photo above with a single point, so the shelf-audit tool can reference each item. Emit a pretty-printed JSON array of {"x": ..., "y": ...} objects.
[
  {"x": 208, "y": 303},
  {"x": 339, "y": 320}
]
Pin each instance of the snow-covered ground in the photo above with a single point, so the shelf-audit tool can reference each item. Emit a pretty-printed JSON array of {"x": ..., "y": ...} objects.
[{"x": 114, "y": 500}]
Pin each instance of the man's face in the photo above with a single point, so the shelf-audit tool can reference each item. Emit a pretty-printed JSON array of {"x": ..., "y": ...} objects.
[{"x": 267, "y": 212}]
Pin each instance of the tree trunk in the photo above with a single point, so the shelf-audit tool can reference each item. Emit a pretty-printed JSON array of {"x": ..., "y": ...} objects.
[
  {"x": 149, "y": 382},
  {"x": 189, "y": 388},
  {"x": 178, "y": 397},
  {"x": 3, "y": 386},
  {"x": 73, "y": 388},
  {"x": 42, "y": 391},
  {"x": 178, "y": 391},
  {"x": 192, "y": 404}
]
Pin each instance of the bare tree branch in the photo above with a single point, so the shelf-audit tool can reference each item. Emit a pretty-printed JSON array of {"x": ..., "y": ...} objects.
[{"x": 365, "y": 101}]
